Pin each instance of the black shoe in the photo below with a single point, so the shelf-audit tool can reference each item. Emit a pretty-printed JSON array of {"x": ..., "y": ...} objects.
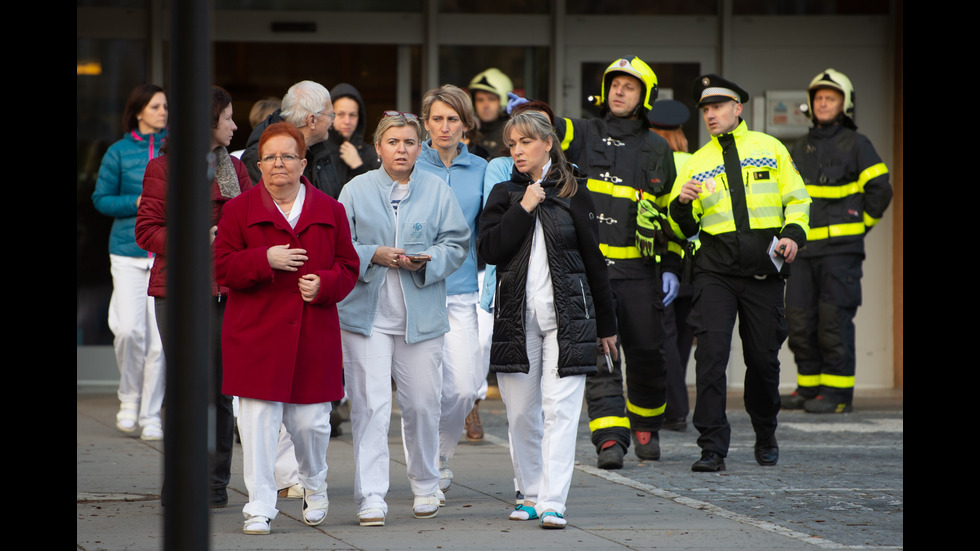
[
  {"x": 792, "y": 401},
  {"x": 710, "y": 462},
  {"x": 217, "y": 498},
  {"x": 646, "y": 445},
  {"x": 611, "y": 457},
  {"x": 767, "y": 452},
  {"x": 679, "y": 425},
  {"x": 821, "y": 404}
]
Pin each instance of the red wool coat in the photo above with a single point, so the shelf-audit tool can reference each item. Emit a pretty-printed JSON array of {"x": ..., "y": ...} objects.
[
  {"x": 151, "y": 218},
  {"x": 276, "y": 346}
]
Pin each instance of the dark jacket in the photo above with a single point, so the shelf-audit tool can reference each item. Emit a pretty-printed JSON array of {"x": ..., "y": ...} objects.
[
  {"x": 320, "y": 170},
  {"x": 624, "y": 160},
  {"x": 582, "y": 297},
  {"x": 848, "y": 184},
  {"x": 369, "y": 156}
]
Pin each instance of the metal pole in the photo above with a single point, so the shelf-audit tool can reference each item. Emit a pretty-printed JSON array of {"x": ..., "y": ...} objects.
[{"x": 188, "y": 424}]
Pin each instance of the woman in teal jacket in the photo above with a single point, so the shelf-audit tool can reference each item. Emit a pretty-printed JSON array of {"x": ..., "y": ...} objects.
[{"x": 139, "y": 352}]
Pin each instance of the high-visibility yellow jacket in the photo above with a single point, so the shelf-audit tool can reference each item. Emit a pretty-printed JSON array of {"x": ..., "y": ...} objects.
[{"x": 776, "y": 202}]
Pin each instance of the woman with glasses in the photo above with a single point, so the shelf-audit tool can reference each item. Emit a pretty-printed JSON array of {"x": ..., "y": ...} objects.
[
  {"x": 230, "y": 180},
  {"x": 552, "y": 302},
  {"x": 284, "y": 250},
  {"x": 447, "y": 113},
  {"x": 118, "y": 193},
  {"x": 410, "y": 235}
]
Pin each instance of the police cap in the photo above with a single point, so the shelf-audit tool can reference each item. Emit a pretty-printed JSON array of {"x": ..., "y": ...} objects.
[
  {"x": 712, "y": 88},
  {"x": 668, "y": 113}
]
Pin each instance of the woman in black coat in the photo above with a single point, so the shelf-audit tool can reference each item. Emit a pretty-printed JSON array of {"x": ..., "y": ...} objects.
[{"x": 552, "y": 302}]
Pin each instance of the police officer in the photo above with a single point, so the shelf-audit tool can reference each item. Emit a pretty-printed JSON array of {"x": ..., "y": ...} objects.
[
  {"x": 630, "y": 171},
  {"x": 749, "y": 203},
  {"x": 849, "y": 185}
]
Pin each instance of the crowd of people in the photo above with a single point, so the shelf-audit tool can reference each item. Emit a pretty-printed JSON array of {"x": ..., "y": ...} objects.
[{"x": 345, "y": 273}]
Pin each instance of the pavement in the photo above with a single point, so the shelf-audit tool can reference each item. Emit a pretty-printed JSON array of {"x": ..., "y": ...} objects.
[{"x": 838, "y": 485}]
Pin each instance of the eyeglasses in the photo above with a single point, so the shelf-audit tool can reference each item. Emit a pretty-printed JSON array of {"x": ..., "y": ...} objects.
[
  {"x": 286, "y": 158},
  {"x": 408, "y": 116},
  {"x": 332, "y": 115}
]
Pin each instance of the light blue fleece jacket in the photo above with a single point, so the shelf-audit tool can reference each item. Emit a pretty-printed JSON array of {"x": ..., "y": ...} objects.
[
  {"x": 429, "y": 222},
  {"x": 498, "y": 170},
  {"x": 465, "y": 177}
]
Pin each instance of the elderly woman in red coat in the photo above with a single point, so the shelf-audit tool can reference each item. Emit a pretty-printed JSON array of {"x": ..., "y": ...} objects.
[{"x": 284, "y": 249}]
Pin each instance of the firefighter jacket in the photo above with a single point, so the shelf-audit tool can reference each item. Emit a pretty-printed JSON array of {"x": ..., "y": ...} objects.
[
  {"x": 775, "y": 204},
  {"x": 849, "y": 187},
  {"x": 625, "y": 162}
]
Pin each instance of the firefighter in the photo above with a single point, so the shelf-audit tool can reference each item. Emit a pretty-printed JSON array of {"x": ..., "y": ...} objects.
[
  {"x": 630, "y": 171},
  {"x": 849, "y": 186},
  {"x": 489, "y": 91}
]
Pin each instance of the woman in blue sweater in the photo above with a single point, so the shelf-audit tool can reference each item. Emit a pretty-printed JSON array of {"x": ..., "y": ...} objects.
[
  {"x": 139, "y": 352},
  {"x": 447, "y": 113}
]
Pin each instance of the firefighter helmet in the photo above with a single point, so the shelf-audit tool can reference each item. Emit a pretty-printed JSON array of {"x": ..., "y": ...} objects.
[
  {"x": 634, "y": 67},
  {"x": 493, "y": 80},
  {"x": 834, "y": 80}
]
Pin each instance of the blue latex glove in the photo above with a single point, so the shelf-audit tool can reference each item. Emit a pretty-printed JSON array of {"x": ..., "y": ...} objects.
[
  {"x": 671, "y": 287},
  {"x": 514, "y": 101}
]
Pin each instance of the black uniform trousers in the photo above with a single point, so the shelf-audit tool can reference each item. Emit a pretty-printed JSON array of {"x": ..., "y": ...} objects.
[
  {"x": 679, "y": 337},
  {"x": 822, "y": 298},
  {"x": 718, "y": 298},
  {"x": 224, "y": 413},
  {"x": 639, "y": 318}
]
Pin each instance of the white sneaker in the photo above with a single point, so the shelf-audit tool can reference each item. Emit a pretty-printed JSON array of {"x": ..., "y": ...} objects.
[
  {"x": 445, "y": 475},
  {"x": 442, "y": 498}
]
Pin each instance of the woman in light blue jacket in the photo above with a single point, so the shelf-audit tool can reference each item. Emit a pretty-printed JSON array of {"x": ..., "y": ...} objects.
[
  {"x": 447, "y": 113},
  {"x": 410, "y": 235}
]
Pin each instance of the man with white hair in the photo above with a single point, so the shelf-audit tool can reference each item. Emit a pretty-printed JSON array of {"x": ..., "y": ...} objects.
[{"x": 306, "y": 106}]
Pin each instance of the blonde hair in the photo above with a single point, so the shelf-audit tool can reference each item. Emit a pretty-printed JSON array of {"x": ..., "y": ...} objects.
[
  {"x": 388, "y": 122},
  {"x": 454, "y": 97},
  {"x": 535, "y": 125},
  {"x": 262, "y": 109}
]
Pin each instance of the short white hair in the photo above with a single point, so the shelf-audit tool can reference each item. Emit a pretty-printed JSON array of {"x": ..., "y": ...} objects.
[{"x": 302, "y": 99}]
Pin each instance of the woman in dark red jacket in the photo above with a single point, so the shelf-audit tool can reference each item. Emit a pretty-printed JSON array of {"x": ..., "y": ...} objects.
[
  {"x": 284, "y": 249},
  {"x": 230, "y": 180}
]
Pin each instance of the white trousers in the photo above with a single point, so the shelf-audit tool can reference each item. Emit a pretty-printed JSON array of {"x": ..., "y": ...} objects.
[
  {"x": 139, "y": 350},
  {"x": 287, "y": 469},
  {"x": 259, "y": 421},
  {"x": 463, "y": 371},
  {"x": 543, "y": 413},
  {"x": 370, "y": 363},
  {"x": 484, "y": 321}
]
